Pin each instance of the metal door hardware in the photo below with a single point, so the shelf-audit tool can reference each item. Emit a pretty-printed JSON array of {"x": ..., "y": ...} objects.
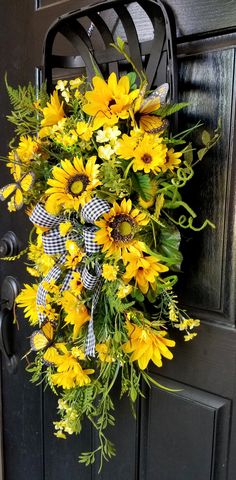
[
  {"x": 9, "y": 291},
  {"x": 9, "y": 245}
]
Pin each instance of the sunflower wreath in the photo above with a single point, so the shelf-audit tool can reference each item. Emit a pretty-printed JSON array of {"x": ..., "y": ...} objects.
[{"x": 100, "y": 174}]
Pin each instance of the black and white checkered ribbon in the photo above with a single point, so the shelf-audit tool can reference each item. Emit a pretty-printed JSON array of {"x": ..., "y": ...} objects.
[{"x": 54, "y": 243}]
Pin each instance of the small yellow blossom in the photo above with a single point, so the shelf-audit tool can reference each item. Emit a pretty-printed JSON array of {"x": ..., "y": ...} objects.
[
  {"x": 75, "y": 254},
  {"x": 84, "y": 130},
  {"x": 76, "y": 83},
  {"x": 48, "y": 311},
  {"x": 51, "y": 286},
  {"x": 108, "y": 134},
  {"x": 172, "y": 313},
  {"x": 62, "y": 87},
  {"x": 189, "y": 336},
  {"x": 105, "y": 152},
  {"x": 67, "y": 139},
  {"x": 187, "y": 323},
  {"x": 33, "y": 272},
  {"x": 109, "y": 272},
  {"x": 64, "y": 228},
  {"x": 103, "y": 352},
  {"x": 124, "y": 291},
  {"x": 76, "y": 284}
]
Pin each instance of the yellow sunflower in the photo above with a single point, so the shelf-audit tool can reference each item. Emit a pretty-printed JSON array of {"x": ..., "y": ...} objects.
[
  {"x": 110, "y": 100},
  {"x": 145, "y": 344},
  {"x": 118, "y": 227},
  {"x": 72, "y": 184},
  {"x": 143, "y": 268},
  {"x": 27, "y": 300}
]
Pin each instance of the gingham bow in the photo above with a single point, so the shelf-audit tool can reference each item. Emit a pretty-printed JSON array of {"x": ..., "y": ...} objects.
[{"x": 54, "y": 243}]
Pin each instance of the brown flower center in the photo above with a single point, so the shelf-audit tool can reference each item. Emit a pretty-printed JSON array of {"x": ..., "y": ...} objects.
[
  {"x": 111, "y": 102},
  {"x": 122, "y": 228},
  {"x": 146, "y": 158},
  {"x": 77, "y": 184}
]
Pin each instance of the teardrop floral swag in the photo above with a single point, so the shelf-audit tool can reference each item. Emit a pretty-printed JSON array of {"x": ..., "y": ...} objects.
[{"x": 101, "y": 175}]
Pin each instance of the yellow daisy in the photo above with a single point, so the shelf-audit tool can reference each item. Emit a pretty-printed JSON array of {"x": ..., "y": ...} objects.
[
  {"x": 143, "y": 268},
  {"x": 118, "y": 227},
  {"x": 69, "y": 371},
  {"x": 150, "y": 154},
  {"x": 72, "y": 184},
  {"x": 53, "y": 112},
  {"x": 145, "y": 344},
  {"x": 110, "y": 100},
  {"x": 27, "y": 300},
  {"x": 172, "y": 160},
  {"x": 76, "y": 312},
  {"x": 27, "y": 147}
]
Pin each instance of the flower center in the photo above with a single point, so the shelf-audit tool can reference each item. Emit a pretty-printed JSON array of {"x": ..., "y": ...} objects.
[
  {"x": 122, "y": 228},
  {"x": 125, "y": 228},
  {"x": 111, "y": 102},
  {"x": 78, "y": 184},
  {"x": 146, "y": 158}
]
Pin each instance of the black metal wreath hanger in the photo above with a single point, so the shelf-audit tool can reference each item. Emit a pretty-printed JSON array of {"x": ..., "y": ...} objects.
[{"x": 146, "y": 25}]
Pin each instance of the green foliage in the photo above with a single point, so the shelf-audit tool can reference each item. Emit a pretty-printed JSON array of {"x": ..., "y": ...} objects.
[
  {"x": 168, "y": 246},
  {"x": 167, "y": 110},
  {"x": 24, "y": 115},
  {"x": 142, "y": 185}
]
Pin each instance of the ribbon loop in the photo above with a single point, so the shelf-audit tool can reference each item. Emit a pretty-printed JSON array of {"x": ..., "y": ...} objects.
[
  {"x": 42, "y": 218},
  {"x": 90, "y": 245},
  {"x": 53, "y": 242},
  {"x": 94, "y": 209}
]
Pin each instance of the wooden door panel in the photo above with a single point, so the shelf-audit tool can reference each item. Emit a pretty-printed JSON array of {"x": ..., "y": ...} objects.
[
  {"x": 187, "y": 435},
  {"x": 207, "y": 82}
]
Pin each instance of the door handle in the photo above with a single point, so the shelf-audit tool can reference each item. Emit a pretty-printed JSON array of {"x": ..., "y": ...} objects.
[
  {"x": 9, "y": 244},
  {"x": 9, "y": 291}
]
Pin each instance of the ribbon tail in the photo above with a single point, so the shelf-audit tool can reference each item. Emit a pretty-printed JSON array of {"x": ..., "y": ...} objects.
[{"x": 90, "y": 341}]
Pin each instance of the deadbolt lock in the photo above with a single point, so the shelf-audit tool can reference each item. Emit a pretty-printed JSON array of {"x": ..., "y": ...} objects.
[{"x": 9, "y": 245}]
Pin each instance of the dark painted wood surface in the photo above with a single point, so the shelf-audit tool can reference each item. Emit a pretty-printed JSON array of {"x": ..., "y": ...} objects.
[{"x": 190, "y": 435}]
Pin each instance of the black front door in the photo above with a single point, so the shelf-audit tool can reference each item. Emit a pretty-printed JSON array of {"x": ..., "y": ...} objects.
[{"x": 191, "y": 434}]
